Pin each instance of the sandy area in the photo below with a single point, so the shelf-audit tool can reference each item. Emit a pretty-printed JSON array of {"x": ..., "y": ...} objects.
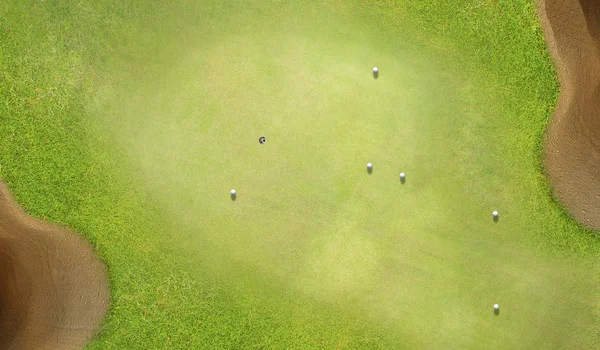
[
  {"x": 53, "y": 289},
  {"x": 572, "y": 151}
]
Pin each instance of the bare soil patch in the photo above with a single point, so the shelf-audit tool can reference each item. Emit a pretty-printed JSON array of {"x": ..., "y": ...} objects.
[
  {"x": 572, "y": 150},
  {"x": 53, "y": 289}
]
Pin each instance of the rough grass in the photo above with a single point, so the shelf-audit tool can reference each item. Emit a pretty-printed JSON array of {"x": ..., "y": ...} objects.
[{"x": 61, "y": 166}]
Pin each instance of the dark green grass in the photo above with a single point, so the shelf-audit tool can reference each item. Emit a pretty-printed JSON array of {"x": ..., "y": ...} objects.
[{"x": 61, "y": 168}]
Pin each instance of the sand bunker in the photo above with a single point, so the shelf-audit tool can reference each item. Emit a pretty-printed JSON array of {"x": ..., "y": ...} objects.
[
  {"x": 53, "y": 289},
  {"x": 572, "y": 153}
]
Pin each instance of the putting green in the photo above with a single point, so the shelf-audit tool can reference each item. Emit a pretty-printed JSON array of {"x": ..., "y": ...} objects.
[
  {"x": 424, "y": 257},
  {"x": 315, "y": 251}
]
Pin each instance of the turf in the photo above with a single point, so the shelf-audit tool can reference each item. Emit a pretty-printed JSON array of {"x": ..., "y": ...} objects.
[{"x": 131, "y": 121}]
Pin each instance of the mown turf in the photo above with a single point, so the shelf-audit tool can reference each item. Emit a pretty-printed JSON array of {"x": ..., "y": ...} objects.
[{"x": 130, "y": 121}]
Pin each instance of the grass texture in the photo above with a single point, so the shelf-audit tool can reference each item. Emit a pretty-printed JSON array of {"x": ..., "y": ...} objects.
[{"x": 130, "y": 121}]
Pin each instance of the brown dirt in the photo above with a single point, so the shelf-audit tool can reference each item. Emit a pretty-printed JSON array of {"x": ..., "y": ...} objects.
[
  {"x": 572, "y": 150},
  {"x": 53, "y": 289}
]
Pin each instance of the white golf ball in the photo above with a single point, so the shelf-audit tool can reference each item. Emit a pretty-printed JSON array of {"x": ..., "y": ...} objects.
[
  {"x": 495, "y": 213},
  {"x": 375, "y": 69},
  {"x": 233, "y": 192},
  {"x": 369, "y": 165},
  {"x": 402, "y": 175},
  {"x": 496, "y": 307}
]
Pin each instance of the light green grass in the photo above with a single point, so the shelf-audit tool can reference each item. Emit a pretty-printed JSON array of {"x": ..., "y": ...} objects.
[{"x": 149, "y": 113}]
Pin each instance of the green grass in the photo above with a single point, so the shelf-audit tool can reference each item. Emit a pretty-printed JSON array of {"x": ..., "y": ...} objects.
[{"x": 130, "y": 122}]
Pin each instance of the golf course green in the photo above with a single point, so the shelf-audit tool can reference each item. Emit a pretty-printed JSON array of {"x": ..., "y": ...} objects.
[{"x": 131, "y": 121}]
